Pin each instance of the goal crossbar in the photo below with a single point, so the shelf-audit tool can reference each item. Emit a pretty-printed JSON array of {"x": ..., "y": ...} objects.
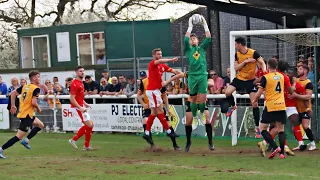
[{"x": 275, "y": 31}]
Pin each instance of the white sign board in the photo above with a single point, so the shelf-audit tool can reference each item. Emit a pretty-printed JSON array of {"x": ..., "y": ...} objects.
[
  {"x": 110, "y": 117},
  {"x": 4, "y": 117},
  {"x": 62, "y": 75},
  {"x": 63, "y": 46}
]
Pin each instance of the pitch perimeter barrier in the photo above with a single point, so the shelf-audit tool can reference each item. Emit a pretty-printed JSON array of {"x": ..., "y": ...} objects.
[{"x": 128, "y": 117}]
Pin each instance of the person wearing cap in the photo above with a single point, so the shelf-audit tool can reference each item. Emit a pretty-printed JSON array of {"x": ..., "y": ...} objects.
[
  {"x": 143, "y": 75},
  {"x": 131, "y": 87},
  {"x": 106, "y": 76}
]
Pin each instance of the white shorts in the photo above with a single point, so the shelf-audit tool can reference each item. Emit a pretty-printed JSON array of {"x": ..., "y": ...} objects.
[
  {"x": 80, "y": 116},
  {"x": 154, "y": 97},
  {"x": 291, "y": 110}
]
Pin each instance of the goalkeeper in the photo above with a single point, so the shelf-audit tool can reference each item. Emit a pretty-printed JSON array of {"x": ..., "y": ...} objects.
[{"x": 197, "y": 70}]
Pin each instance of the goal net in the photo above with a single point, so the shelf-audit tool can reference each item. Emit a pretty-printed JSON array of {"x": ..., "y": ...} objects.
[{"x": 291, "y": 45}]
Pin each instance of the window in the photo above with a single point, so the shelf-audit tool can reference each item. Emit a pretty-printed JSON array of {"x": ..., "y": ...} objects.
[{"x": 91, "y": 48}]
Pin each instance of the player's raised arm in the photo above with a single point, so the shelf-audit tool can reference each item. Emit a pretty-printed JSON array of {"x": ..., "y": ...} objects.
[
  {"x": 238, "y": 66},
  {"x": 206, "y": 28},
  {"x": 162, "y": 61},
  {"x": 177, "y": 76},
  {"x": 188, "y": 33},
  {"x": 260, "y": 61}
]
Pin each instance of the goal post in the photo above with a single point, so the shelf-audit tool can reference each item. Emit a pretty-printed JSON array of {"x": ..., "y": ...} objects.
[{"x": 289, "y": 45}]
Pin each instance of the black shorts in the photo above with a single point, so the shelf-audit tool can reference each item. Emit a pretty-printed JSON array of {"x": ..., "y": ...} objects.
[
  {"x": 188, "y": 108},
  {"x": 303, "y": 115},
  {"x": 26, "y": 123},
  {"x": 243, "y": 86},
  {"x": 274, "y": 116},
  {"x": 146, "y": 113}
]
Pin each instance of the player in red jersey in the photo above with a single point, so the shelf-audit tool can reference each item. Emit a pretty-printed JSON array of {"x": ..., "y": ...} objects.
[
  {"x": 155, "y": 70},
  {"x": 78, "y": 108}
]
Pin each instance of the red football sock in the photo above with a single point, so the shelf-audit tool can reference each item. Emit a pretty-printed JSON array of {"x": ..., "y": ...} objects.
[
  {"x": 297, "y": 133},
  {"x": 150, "y": 122},
  {"x": 88, "y": 136},
  {"x": 163, "y": 121},
  {"x": 80, "y": 133}
]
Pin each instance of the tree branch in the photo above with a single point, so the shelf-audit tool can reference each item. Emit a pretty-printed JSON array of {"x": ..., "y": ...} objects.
[
  {"x": 22, "y": 8},
  {"x": 46, "y": 14},
  {"x": 9, "y": 19}
]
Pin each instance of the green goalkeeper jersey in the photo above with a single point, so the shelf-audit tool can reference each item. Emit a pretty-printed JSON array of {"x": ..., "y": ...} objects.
[{"x": 196, "y": 56}]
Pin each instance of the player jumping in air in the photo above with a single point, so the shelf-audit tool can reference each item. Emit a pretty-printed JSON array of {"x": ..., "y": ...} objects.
[
  {"x": 147, "y": 111},
  {"x": 155, "y": 70},
  {"x": 79, "y": 111},
  {"x": 275, "y": 108},
  {"x": 304, "y": 112},
  {"x": 246, "y": 60},
  {"x": 197, "y": 68},
  {"x": 28, "y": 103}
]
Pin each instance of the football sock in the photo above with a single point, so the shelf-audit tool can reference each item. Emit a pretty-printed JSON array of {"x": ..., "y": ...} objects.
[
  {"x": 33, "y": 132},
  {"x": 164, "y": 122},
  {"x": 202, "y": 106},
  {"x": 88, "y": 136},
  {"x": 194, "y": 109},
  {"x": 11, "y": 142},
  {"x": 80, "y": 133},
  {"x": 231, "y": 100},
  {"x": 188, "y": 133},
  {"x": 150, "y": 122},
  {"x": 256, "y": 116},
  {"x": 209, "y": 133},
  {"x": 297, "y": 133},
  {"x": 268, "y": 138},
  {"x": 309, "y": 134},
  {"x": 282, "y": 139}
]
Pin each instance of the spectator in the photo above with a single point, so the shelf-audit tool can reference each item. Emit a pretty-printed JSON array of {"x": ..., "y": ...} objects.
[
  {"x": 50, "y": 101},
  {"x": 131, "y": 87},
  {"x": 105, "y": 75},
  {"x": 218, "y": 83},
  {"x": 103, "y": 87},
  {"x": 47, "y": 82},
  {"x": 177, "y": 87},
  {"x": 143, "y": 75},
  {"x": 14, "y": 85},
  {"x": 123, "y": 82},
  {"x": 311, "y": 70},
  {"x": 43, "y": 103},
  {"x": 138, "y": 82},
  {"x": 92, "y": 87},
  {"x": 170, "y": 88},
  {"x": 55, "y": 80},
  {"x": 3, "y": 91},
  {"x": 101, "y": 57},
  {"x": 61, "y": 91},
  {"x": 23, "y": 82},
  {"x": 114, "y": 88},
  {"x": 226, "y": 80},
  {"x": 68, "y": 84}
]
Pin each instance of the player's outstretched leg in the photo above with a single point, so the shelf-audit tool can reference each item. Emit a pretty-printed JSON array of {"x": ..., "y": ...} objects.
[
  {"x": 38, "y": 127},
  {"x": 147, "y": 133},
  {"x": 230, "y": 98},
  {"x": 209, "y": 130},
  {"x": 79, "y": 134},
  {"x": 188, "y": 127},
  {"x": 266, "y": 135},
  {"x": 23, "y": 129},
  {"x": 305, "y": 124},
  {"x": 88, "y": 135}
]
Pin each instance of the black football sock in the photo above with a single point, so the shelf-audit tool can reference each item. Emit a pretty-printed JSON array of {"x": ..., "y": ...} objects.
[
  {"x": 266, "y": 135},
  {"x": 282, "y": 139},
  {"x": 11, "y": 142},
  {"x": 33, "y": 132},
  {"x": 172, "y": 130},
  {"x": 144, "y": 127},
  {"x": 209, "y": 133},
  {"x": 309, "y": 134},
  {"x": 188, "y": 133},
  {"x": 256, "y": 115},
  {"x": 231, "y": 100}
]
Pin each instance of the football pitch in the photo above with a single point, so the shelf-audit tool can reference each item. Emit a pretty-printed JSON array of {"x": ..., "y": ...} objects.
[{"x": 123, "y": 156}]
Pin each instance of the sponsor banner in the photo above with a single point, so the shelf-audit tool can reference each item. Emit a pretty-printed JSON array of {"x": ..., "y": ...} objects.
[
  {"x": 110, "y": 117},
  {"x": 4, "y": 117}
]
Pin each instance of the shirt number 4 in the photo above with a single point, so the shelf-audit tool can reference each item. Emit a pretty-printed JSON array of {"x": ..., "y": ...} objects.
[{"x": 278, "y": 87}]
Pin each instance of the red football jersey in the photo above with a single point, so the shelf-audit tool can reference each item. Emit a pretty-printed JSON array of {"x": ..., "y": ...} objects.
[
  {"x": 77, "y": 89},
  {"x": 155, "y": 72},
  {"x": 260, "y": 73},
  {"x": 292, "y": 102}
]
